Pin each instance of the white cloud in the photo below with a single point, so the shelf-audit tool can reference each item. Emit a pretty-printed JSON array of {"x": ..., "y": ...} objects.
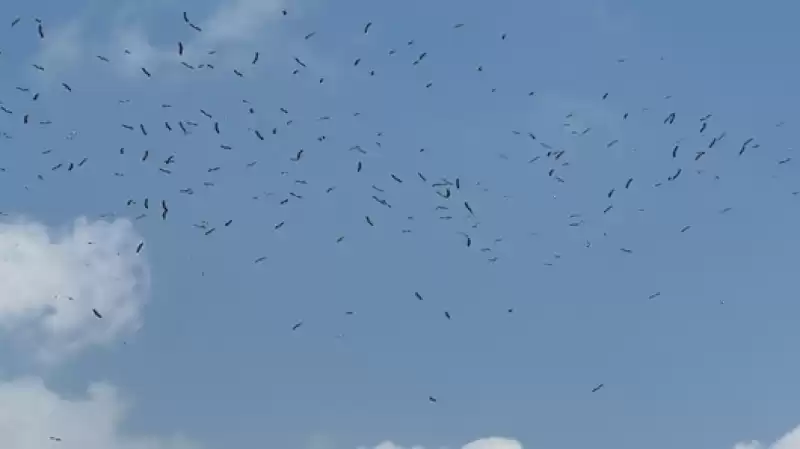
[
  {"x": 95, "y": 263},
  {"x": 142, "y": 53},
  {"x": 789, "y": 441},
  {"x": 240, "y": 20},
  {"x": 30, "y": 414},
  {"x": 484, "y": 443},
  {"x": 494, "y": 443}
]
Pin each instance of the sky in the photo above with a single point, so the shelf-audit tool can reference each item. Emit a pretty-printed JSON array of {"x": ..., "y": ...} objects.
[{"x": 594, "y": 264}]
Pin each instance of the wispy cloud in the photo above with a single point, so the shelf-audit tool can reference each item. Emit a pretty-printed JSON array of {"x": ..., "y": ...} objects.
[
  {"x": 51, "y": 279},
  {"x": 30, "y": 415},
  {"x": 789, "y": 441},
  {"x": 63, "y": 48},
  {"x": 233, "y": 22},
  {"x": 484, "y": 443},
  {"x": 238, "y": 21}
]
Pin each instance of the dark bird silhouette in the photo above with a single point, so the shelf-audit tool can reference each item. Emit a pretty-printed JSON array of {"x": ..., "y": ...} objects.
[
  {"x": 164, "y": 209},
  {"x": 367, "y": 27},
  {"x": 96, "y": 313},
  {"x": 597, "y": 388}
]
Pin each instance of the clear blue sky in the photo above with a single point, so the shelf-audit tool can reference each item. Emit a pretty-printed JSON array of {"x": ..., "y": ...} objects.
[{"x": 216, "y": 358}]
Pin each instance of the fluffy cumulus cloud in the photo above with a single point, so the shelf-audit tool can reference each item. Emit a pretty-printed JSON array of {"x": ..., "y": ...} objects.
[
  {"x": 33, "y": 417},
  {"x": 484, "y": 443},
  {"x": 789, "y": 441},
  {"x": 51, "y": 279}
]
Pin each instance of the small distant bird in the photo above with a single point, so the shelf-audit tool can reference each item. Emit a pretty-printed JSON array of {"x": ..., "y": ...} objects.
[
  {"x": 597, "y": 388},
  {"x": 96, "y": 313}
]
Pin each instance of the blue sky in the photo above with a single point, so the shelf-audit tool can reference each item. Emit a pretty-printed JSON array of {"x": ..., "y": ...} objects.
[{"x": 196, "y": 339}]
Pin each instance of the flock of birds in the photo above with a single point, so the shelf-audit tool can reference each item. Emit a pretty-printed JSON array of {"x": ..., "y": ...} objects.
[{"x": 455, "y": 204}]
